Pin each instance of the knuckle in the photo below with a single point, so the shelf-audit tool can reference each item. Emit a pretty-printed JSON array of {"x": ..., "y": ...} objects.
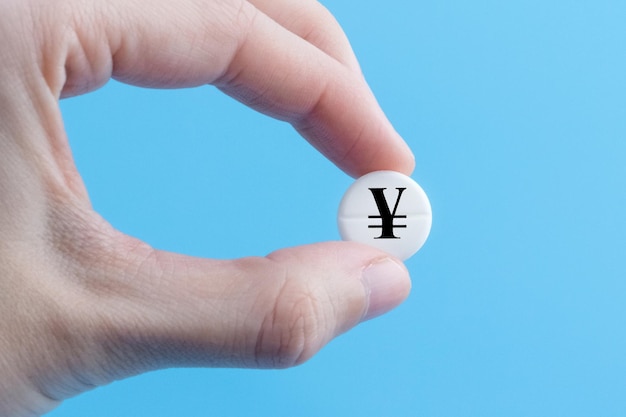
[
  {"x": 294, "y": 329},
  {"x": 237, "y": 26}
]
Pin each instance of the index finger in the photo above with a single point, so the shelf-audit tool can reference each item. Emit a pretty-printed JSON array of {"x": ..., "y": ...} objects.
[
  {"x": 279, "y": 73},
  {"x": 251, "y": 57}
]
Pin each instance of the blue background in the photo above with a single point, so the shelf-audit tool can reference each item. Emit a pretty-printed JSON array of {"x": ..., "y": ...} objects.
[{"x": 516, "y": 111}]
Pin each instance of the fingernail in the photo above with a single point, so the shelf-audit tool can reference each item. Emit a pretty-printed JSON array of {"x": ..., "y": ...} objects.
[{"x": 387, "y": 283}]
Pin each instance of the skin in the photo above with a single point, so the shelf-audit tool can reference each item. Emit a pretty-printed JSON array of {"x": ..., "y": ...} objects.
[{"x": 82, "y": 304}]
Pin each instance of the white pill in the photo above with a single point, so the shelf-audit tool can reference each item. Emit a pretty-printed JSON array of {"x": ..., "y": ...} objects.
[{"x": 387, "y": 210}]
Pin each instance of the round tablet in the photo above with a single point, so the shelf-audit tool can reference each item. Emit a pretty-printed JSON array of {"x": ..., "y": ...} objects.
[{"x": 387, "y": 210}]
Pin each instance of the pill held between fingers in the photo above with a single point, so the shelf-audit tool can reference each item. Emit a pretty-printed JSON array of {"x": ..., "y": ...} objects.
[{"x": 387, "y": 210}]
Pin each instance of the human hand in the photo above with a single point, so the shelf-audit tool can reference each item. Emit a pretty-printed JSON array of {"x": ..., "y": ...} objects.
[{"x": 83, "y": 304}]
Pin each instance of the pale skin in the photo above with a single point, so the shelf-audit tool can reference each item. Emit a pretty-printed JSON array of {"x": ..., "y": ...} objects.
[{"x": 82, "y": 304}]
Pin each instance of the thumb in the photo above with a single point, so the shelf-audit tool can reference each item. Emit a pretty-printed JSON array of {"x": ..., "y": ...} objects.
[{"x": 270, "y": 312}]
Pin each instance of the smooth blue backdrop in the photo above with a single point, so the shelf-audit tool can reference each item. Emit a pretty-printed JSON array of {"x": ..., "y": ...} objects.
[{"x": 516, "y": 111}]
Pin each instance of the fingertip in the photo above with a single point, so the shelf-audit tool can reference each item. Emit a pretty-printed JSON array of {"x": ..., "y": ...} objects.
[
  {"x": 391, "y": 155},
  {"x": 401, "y": 160},
  {"x": 387, "y": 285},
  {"x": 408, "y": 161}
]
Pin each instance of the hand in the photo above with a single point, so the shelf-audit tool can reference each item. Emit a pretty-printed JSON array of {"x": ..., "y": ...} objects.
[{"x": 83, "y": 304}]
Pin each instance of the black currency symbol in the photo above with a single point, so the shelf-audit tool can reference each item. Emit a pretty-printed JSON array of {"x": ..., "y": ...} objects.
[{"x": 387, "y": 217}]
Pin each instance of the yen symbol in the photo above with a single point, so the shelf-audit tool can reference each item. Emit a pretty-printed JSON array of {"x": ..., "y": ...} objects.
[{"x": 387, "y": 216}]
